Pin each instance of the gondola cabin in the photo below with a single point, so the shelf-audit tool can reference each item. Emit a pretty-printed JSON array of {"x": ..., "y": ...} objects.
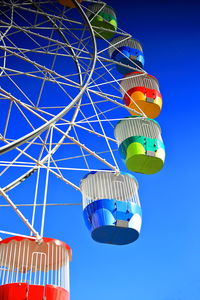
[
  {"x": 140, "y": 144},
  {"x": 141, "y": 92},
  {"x": 103, "y": 19},
  {"x": 68, "y": 3},
  {"x": 34, "y": 271},
  {"x": 111, "y": 207},
  {"x": 128, "y": 52}
]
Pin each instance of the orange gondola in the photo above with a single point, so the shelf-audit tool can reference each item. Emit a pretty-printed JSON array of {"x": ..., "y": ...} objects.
[
  {"x": 141, "y": 92},
  {"x": 68, "y": 3}
]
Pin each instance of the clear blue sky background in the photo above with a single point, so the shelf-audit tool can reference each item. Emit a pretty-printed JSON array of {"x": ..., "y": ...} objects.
[{"x": 164, "y": 264}]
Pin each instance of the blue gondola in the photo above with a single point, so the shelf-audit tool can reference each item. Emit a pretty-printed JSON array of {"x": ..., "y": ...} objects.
[
  {"x": 127, "y": 51},
  {"x": 111, "y": 207}
]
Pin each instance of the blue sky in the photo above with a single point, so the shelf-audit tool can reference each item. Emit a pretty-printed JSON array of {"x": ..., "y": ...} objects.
[{"x": 163, "y": 264}]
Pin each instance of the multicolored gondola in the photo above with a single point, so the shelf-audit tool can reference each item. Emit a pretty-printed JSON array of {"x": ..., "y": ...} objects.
[
  {"x": 141, "y": 92},
  {"x": 140, "y": 144},
  {"x": 103, "y": 19}
]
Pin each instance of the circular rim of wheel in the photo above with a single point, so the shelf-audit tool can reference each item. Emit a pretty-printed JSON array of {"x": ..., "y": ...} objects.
[{"x": 45, "y": 126}]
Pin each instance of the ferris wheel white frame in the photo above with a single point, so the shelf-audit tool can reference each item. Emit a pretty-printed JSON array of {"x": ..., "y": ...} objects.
[{"x": 51, "y": 124}]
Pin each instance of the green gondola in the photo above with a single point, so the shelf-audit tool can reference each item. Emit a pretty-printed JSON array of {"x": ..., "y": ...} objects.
[
  {"x": 140, "y": 144},
  {"x": 103, "y": 20}
]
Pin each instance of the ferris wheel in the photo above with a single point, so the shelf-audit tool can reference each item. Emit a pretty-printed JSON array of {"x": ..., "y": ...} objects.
[{"x": 74, "y": 97}]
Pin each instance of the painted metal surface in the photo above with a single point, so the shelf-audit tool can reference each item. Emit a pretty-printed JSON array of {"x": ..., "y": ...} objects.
[
  {"x": 103, "y": 19},
  {"x": 34, "y": 270},
  {"x": 24, "y": 291},
  {"x": 113, "y": 222},
  {"x": 127, "y": 51},
  {"x": 140, "y": 145},
  {"x": 141, "y": 93},
  {"x": 111, "y": 205},
  {"x": 68, "y": 3}
]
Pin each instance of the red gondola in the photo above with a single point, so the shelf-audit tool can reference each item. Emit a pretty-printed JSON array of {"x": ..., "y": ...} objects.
[{"x": 32, "y": 270}]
